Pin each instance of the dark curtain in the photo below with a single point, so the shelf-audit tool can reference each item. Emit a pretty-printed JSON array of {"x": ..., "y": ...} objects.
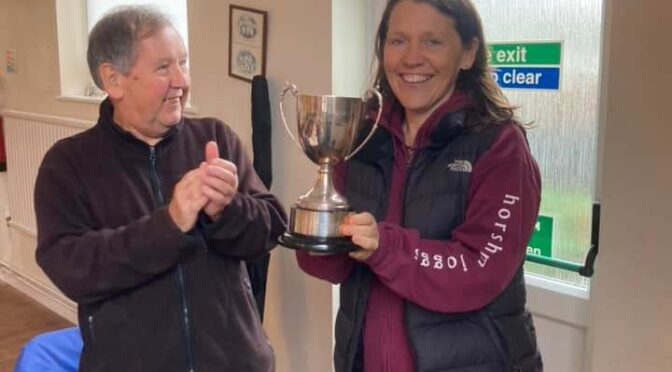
[{"x": 263, "y": 165}]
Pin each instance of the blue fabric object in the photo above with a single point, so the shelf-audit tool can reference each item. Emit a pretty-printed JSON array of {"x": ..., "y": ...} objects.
[{"x": 56, "y": 351}]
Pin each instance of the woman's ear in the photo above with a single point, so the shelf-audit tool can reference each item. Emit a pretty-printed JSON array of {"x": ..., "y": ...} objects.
[
  {"x": 469, "y": 55},
  {"x": 112, "y": 80}
]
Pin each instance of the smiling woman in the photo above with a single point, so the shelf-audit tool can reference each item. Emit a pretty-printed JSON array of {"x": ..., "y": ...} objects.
[{"x": 448, "y": 193}]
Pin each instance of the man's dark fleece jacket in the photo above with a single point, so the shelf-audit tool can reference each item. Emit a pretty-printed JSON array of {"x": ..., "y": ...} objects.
[{"x": 150, "y": 297}]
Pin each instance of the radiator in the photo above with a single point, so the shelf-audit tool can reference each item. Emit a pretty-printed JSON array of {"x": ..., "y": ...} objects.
[{"x": 28, "y": 136}]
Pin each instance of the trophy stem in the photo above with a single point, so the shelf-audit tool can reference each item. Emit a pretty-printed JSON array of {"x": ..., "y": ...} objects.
[{"x": 323, "y": 196}]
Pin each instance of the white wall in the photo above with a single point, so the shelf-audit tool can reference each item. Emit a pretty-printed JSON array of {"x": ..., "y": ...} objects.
[
  {"x": 4, "y": 212},
  {"x": 349, "y": 59},
  {"x": 29, "y": 28},
  {"x": 631, "y": 292}
]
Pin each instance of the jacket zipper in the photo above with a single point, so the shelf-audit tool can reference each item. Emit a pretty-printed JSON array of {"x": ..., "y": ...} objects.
[
  {"x": 184, "y": 309},
  {"x": 90, "y": 322},
  {"x": 410, "y": 161},
  {"x": 410, "y": 155},
  {"x": 156, "y": 185},
  {"x": 185, "y": 316}
]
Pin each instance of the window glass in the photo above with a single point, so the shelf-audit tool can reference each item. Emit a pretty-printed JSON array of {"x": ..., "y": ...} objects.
[{"x": 547, "y": 57}]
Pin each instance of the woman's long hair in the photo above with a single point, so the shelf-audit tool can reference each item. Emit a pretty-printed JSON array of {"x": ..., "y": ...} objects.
[{"x": 490, "y": 104}]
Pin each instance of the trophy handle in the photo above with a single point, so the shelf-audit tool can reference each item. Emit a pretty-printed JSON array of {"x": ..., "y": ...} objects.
[
  {"x": 369, "y": 92},
  {"x": 291, "y": 88}
]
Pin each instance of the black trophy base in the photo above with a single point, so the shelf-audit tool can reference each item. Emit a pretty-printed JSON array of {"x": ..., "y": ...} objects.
[{"x": 317, "y": 245}]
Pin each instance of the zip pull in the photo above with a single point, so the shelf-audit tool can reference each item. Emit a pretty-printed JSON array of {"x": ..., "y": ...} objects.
[
  {"x": 154, "y": 177},
  {"x": 152, "y": 155},
  {"x": 90, "y": 321},
  {"x": 410, "y": 152}
]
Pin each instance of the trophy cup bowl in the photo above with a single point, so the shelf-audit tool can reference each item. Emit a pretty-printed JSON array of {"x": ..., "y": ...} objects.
[{"x": 328, "y": 130}]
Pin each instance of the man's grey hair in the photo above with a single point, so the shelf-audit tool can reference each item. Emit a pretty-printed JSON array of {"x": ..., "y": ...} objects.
[{"x": 115, "y": 36}]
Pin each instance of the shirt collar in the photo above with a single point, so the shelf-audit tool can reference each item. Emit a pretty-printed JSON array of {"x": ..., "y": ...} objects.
[{"x": 106, "y": 120}]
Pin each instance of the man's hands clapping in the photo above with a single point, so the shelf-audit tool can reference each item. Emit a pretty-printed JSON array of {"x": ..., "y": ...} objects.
[
  {"x": 210, "y": 188},
  {"x": 220, "y": 181}
]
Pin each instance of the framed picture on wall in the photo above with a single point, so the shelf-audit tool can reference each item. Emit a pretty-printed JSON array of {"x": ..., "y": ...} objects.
[{"x": 247, "y": 42}]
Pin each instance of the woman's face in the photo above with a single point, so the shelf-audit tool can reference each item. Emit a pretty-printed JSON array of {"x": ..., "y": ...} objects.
[{"x": 423, "y": 56}]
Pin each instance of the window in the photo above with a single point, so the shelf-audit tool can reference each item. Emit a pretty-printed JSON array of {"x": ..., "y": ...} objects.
[
  {"x": 566, "y": 38},
  {"x": 75, "y": 18}
]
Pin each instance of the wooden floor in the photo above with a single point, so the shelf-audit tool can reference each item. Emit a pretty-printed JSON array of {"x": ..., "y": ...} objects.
[{"x": 21, "y": 318}]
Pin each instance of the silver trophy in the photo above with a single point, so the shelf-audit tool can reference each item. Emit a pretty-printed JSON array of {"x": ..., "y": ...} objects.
[{"x": 328, "y": 130}]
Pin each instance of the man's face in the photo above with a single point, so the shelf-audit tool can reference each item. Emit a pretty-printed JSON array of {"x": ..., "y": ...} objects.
[{"x": 152, "y": 95}]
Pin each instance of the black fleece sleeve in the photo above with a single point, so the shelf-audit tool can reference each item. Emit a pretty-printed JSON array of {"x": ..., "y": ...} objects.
[
  {"x": 251, "y": 224},
  {"x": 90, "y": 264}
]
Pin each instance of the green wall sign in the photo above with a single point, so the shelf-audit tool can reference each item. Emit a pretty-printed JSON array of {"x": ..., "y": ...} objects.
[
  {"x": 541, "y": 242},
  {"x": 520, "y": 54}
]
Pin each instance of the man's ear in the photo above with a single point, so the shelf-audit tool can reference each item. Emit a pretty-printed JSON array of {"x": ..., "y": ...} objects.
[{"x": 112, "y": 80}]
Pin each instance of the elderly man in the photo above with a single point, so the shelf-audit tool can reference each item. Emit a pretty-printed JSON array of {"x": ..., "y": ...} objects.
[{"x": 145, "y": 218}]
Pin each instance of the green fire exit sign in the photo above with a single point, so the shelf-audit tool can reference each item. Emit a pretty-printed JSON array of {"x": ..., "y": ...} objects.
[
  {"x": 521, "y": 54},
  {"x": 541, "y": 242}
]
